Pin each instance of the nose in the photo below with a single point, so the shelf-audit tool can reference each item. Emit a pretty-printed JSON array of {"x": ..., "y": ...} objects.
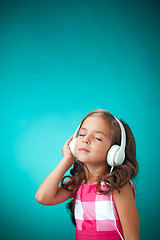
[{"x": 85, "y": 140}]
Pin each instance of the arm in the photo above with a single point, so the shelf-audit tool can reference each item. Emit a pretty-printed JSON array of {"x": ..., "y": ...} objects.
[
  {"x": 49, "y": 192},
  {"x": 128, "y": 213}
]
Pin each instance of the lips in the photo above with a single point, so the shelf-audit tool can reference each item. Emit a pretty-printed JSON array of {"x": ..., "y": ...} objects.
[{"x": 83, "y": 150}]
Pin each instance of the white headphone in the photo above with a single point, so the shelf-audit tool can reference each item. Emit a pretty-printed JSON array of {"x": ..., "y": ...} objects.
[{"x": 116, "y": 154}]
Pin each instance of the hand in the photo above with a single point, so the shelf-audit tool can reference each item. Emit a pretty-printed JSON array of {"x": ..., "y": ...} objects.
[{"x": 66, "y": 151}]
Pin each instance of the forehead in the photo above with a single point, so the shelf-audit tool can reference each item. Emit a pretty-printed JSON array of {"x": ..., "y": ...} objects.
[{"x": 96, "y": 123}]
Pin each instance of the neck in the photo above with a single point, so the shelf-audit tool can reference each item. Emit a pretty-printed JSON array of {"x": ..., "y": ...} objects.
[{"x": 94, "y": 172}]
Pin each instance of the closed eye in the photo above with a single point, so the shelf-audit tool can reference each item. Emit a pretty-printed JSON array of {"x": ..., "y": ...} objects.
[{"x": 98, "y": 139}]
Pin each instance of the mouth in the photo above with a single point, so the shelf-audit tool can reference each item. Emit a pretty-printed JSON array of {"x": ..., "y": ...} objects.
[{"x": 83, "y": 150}]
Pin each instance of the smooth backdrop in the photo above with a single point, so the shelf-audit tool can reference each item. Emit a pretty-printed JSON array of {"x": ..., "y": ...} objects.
[{"x": 58, "y": 61}]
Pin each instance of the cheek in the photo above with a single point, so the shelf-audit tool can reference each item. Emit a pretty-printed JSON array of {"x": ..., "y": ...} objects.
[
  {"x": 102, "y": 148},
  {"x": 77, "y": 144},
  {"x": 99, "y": 150}
]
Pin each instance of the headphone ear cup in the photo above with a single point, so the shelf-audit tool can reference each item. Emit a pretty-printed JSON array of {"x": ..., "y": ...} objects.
[
  {"x": 120, "y": 156},
  {"x": 111, "y": 156},
  {"x": 72, "y": 145}
]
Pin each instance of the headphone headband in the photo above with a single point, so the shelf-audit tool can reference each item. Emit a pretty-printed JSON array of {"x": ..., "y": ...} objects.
[{"x": 123, "y": 134}]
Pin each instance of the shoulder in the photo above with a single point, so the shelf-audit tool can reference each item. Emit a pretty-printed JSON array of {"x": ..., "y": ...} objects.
[
  {"x": 127, "y": 190},
  {"x": 125, "y": 200},
  {"x": 127, "y": 210}
]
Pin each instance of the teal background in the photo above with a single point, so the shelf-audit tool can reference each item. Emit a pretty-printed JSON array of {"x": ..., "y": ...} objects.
[{"x": 58, "y": 61}]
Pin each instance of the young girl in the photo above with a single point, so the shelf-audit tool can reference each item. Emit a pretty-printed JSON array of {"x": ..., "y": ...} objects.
[{"x": 103, "y": 203}]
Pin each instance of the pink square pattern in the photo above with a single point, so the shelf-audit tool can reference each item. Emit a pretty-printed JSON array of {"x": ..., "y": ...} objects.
[
  {"x": 93, "y": 211},
  {"x": 89, "y": 213},
  {"x": 105, "y": 225}
]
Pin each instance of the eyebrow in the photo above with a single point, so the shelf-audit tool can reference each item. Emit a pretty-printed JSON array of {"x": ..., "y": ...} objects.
[{"x": 94, "y": 131}]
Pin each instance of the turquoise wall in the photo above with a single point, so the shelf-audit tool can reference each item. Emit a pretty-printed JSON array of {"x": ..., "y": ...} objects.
[{"x": 58, "y": 61}]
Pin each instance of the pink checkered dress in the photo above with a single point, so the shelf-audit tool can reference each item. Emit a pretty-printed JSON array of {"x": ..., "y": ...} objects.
[{"x": 94, "y": 215}]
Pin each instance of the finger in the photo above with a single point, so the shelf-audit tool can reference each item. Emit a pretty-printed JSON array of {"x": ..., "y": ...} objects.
[{"x": 68, "y": 141}]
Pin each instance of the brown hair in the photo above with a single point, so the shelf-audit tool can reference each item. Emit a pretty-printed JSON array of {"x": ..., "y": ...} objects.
[{"x": 120, "y": 175}]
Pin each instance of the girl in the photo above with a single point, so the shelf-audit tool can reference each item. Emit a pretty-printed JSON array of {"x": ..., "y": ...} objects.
[{"x": 103, "y": 205}]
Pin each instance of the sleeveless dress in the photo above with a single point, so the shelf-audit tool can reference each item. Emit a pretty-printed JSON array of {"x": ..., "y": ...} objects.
[{"x": 94, "y": 214}]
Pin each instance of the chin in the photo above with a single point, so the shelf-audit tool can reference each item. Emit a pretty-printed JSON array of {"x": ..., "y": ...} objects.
[{"x": 82, "y": 159}]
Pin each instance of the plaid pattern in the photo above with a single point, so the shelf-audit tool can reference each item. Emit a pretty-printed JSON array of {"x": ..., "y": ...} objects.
[{"x": 93, "y": 211}]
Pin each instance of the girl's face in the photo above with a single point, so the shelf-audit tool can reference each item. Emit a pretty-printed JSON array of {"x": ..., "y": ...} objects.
[{"x": 94, "y": 141}]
